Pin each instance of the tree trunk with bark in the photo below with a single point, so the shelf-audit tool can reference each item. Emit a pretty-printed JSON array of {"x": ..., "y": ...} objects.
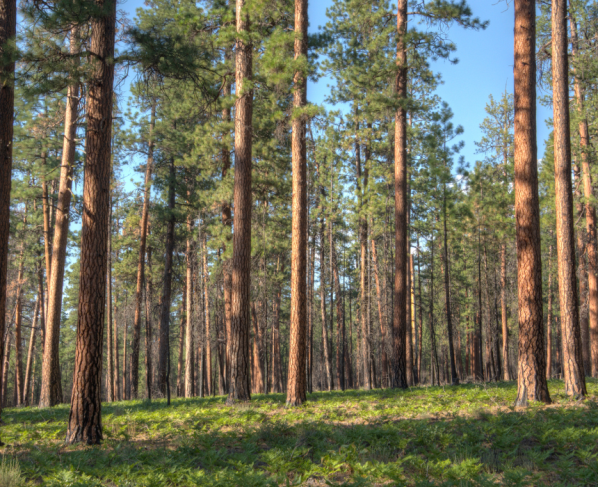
[
  {"x": 18, "y": 335},
  {"x": 165, "y": 300},
  {"x": 180, "y": 377},
  {"x": 51, "y": 391},
  {"x": 189, "y": 355},
  {"x": 27, "y": 395},
  {"x": 531, "y": 377},
  {"x": 239, "y": 387},
  {"x": 447, "y": 297},
  {"x": 575, "y": 383},
  {"x": 85, "y": 424},
  {"x": 382, "y": 316},
  {"x": 400, "y": 284},
  {"x": 549, "y": 320}
]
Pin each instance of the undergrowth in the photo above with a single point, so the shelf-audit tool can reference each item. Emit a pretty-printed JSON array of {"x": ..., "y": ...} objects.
[{"x": 464, "y": 435}]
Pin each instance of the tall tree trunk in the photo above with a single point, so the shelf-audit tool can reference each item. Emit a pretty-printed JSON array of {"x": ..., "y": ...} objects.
[
  {"x": 51, "y": 391},
  {"x": 8, "y": 31},
  {"x": 165, "y": 300},
  {"x": 447, "y": 296},
  {"x": 310, "y": 314},
  {"x": 5, "y": 366},
  {"x": 18, "y": 337},
  {"x": 421, "y": 315},
  {"x": 549, "y": 320},
  {"x": 47, "y": 219},
  {"x": 208, "y": 342},
  {"x": 85, "y": 424},
  {"x": 239, "y": 387},
  {"x": 189, "y": 356},
  {"x": 227, "y": 222},
  {"x": 400, "y": 285},
  {"x": 413, "y": 324},
  {"x": 141, "y": 261},
  {"x": 116, "y": 353},
  {"x": 590, "y": 213},
  {"x": 340, "y": 318},
  {"x": 434, "y": 353},
  {"x": 125, "y": 357},
  {"x": 297, "y": 382},
  {"x": 531, "y": 377},
  {"x": 257, "y": 376},
  {"x": 575, "y": 383}
]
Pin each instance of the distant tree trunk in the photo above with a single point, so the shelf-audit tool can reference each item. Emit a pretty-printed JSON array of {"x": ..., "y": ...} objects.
[
  {"x": 421, "y": 315},
  {"x": 85, "y": 424},
  {"x": 257, "y": 377},
  {"x": 46, "y": 218},
  {"x": 409, "y": 332},
  {"x": 531, "y": 377},
  {"x": 447, "y": 297},
  {"x": 180, "y": 378},
  {"x": 413, "y": 323},
  {"x": 549, "y": 320},
  {"x": 310, "y": 315},
  {"x": 239, "y": 387},
  {"x": 590, "y": 213},
  {"x": 227, "y": 222},
  {"x": 434, "y": 368},
  {"x": 575, "y": 382},
  {"x": 5, "y": 366},
  {"x": 125, "y": 350},
  {"x": 141, "y": 261},
  {"x": 276, "y": 366},
  {"x": 27, "y": 395},
  {"x": 340, "y": 317},
  {"x": 165, "y": 300},
  {"x": 382, "y": 316},
  {"x": 8, "y": 31},
  {"x": 51, "y": 391},
  {"x": 189, "y": 356},
  {"x": 18, "y": 337},
  {"x": 116, "y": 353},
  {"x": 503, "y": 312},
  {"x": 400, "y": 285},
  {"x": 148, "y": 325},
  {"x": 325, "y": 345},
  {"x": 208, "y": 344},
  {"x": 582, "y": 276},
  {"x": 111, "y": 390}
]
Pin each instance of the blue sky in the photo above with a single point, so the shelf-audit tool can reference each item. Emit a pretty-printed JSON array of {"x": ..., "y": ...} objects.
[{"x": 485, "y": 68}]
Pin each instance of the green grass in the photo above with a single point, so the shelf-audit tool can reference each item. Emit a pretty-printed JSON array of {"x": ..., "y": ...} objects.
[{"x": 465, "y": 435}]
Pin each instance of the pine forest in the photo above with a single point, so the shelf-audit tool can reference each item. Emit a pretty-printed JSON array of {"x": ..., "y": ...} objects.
[{"x": 251, "y": 243}]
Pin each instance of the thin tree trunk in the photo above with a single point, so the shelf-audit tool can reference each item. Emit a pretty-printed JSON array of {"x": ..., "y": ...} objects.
[
  {"x": 549, "y": 320},
  {"x": 180, "y": 378},
  {"x": 165, "y": 300},
  {"x": 5, "y": 366},
  {"x": 27, "y": 395},
  {"x": 447, "y": 296},
  {"x": 503, "y": 312},
  {"x": 18, "y": 337},
  {"x": 327, "y": 358},
  {"x": 110, "y": 338},
  {"x": 575, "y": 383},
  {"x": 208, "y": 341},
  {"x": 125, "y": 353},
  {"x": 239, "y": 387},
  {"x": 531, "y": 377},
  {"x": 148, "y": 325},
  {"x": 51, "y": 391},
  {"x": 85, "y": 423},
  {"x": 189, "y": 355},
  {"x": 141, "y": 262},
  {"x": 400, "y": 285},
  {"x": 340, "y": 318}
]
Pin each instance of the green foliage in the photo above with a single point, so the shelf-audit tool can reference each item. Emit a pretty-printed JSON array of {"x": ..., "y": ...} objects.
[{"x": 465, "y": 435}]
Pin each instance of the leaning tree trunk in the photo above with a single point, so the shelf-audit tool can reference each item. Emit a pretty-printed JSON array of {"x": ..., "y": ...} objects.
[
  {"x": 8, "y": 30},
  {"x": 51, "y": 391},
  {"x": 85, "y": 422},
  {"x": 575, "y": 383},
  {"x": 239, "y": 387},
  {"x": 297, "y": 382},
  {"x": 531, "y": 377},
  {"x": 164, "y": 339},
  {"x": 141, "y": 259},
  {"x": 400, "y": 285}
]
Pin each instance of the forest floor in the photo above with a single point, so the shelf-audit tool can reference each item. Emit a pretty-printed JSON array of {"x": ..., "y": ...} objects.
[{"x": 465, "y": 435}]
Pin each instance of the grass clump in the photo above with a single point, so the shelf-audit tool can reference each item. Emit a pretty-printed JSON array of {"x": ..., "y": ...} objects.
[
  {"x": 464, "y": 435},
  {"x": 10, "y": 472}
]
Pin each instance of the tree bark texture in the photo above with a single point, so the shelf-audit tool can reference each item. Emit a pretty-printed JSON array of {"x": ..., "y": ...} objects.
[
  {"x": 239, "y": 387},
  {"x": 531, "y": 377},
  {"x": 189, "y": 355},
  {"x": 85, "y": 423},
  {"x": 575, "y": 384}
]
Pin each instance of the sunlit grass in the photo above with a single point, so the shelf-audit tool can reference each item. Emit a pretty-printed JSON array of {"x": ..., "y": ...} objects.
[{"x": 465, "y": 435}]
